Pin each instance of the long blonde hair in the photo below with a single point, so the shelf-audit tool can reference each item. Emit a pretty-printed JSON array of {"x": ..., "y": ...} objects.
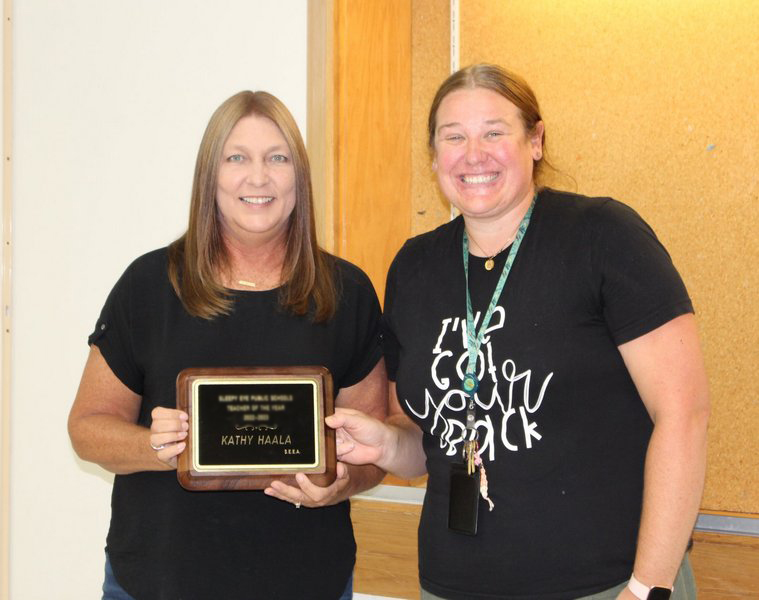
[{"x": 197, "y": 258}]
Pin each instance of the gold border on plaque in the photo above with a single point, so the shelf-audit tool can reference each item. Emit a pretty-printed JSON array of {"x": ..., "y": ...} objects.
[{"x": 294, "y": 467}]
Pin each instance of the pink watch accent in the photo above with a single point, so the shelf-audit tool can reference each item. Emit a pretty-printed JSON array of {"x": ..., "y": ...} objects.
[{"x": 640, "y": 590}]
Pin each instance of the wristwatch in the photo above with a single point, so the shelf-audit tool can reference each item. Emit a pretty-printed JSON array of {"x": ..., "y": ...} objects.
[{"x": 643, "y": 592}]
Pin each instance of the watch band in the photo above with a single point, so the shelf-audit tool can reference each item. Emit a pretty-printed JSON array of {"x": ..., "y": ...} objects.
[{"x": 643, "y": 592}]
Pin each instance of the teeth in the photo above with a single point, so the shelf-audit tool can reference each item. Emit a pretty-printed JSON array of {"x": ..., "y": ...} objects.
[
  {"x": 257, "y": 199},
  {"x": 478, "y": 178}
]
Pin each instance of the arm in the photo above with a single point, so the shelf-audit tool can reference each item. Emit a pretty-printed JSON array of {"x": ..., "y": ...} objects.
[
  {"x": 668, "y": 371},
  {"x": 395, "y": 446},
  {"x": 369, "y": 396},
  {"x": 408, "y": 459},
  {"x": 102, "y": 422}
]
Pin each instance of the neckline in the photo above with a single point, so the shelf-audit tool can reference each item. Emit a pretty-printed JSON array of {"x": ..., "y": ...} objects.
[{"x": 247, "y": 292}]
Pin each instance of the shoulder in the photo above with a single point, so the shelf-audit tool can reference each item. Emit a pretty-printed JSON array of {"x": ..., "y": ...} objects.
[
  {"x": 436, "y": 243},
  {"x": 567, "y": 204},
  {"x": 349, "y": 274},
  {"x": 441, "y": 236},
  {"x": 601, "y": 219},
  {"x": 136, "y": 291},
  {"x": 353, "y": 283},
  {"x": 144, "y": 274},
  {"x": 592, "y": 209},
  {"x": 150, "y": 263},
  {"x": 357, "y": 299}
]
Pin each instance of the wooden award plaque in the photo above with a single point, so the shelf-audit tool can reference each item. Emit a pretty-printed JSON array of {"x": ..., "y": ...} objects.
[{"x": 252, "y": 425}]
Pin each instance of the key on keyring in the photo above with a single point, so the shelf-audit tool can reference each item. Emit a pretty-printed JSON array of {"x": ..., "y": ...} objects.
[{"x": 470, "y": 452}]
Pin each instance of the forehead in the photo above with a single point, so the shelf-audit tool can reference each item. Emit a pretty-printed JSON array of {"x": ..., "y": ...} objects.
[
  {"x": 255, "y": 130},
  {"x": 475, "y": 104}
]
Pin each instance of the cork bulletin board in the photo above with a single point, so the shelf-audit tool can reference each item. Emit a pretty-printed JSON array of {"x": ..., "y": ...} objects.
[{"x": 655, "y": 103}]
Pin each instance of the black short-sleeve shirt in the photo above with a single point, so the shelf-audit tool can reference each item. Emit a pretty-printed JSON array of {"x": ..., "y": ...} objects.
[
  {"x": 562, "y": 429},
  {"x": 167, "y": 543}
]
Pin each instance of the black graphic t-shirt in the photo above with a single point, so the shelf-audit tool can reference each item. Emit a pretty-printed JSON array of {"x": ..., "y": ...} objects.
[
  {"x": 562, "y": 429},
  {"x": 167, "y": 543}
]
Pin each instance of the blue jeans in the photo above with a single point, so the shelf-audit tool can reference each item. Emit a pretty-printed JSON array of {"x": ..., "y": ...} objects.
[
  {"x": 348, "y": 593},
  {"x": 112, "y": 590}
]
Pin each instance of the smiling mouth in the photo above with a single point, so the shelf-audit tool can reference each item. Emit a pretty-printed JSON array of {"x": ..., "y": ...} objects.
[
  {"x": 257, "y": 199},
  {"x": 478, "y": 178}
]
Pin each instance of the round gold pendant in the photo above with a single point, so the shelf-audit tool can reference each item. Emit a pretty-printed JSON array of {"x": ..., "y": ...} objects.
[{"x": 489, "y": 264}]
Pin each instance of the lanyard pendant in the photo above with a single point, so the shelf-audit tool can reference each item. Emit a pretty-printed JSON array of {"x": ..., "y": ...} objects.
[{"x": 470, "y": 383}]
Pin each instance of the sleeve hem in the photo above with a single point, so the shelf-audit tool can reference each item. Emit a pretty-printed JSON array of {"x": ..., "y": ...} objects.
[
  {"x": 366, "y": 368},
  {"x": 652, "y": 321},
  {"x": 122, "y": 376}
]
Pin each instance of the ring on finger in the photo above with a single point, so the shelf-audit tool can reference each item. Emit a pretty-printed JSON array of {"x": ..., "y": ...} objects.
[{"x": 157, "y": 448}]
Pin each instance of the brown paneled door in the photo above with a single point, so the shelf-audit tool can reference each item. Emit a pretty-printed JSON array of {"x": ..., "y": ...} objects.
[
  {"x": 359, "y": 133},
  {"x": 360, "y": 86}
]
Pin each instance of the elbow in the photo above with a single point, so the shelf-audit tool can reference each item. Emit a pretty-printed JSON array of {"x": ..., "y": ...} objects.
[
  {"x": 702, "y": 410},
  {"x": 694, "y": 424},
  {"x": 706, "y": 412},
  {"x": 696, "y": 421},
  {"x": 76, "y": 436},
  {"x": 80, "y": 434},
  {"x": 688, "y": 420}
]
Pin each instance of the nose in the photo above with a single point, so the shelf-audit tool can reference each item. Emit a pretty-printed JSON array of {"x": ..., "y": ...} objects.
[
  {"x": 474, "y": 152},
  {"x": 258, "y": 173}
]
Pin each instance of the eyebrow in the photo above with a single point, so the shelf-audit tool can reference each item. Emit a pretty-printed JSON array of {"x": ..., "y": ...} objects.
[
  {"x": 488, "y": 122},
  {"x": 275, "y": 148},
  {"x": 447, "y": 125}
]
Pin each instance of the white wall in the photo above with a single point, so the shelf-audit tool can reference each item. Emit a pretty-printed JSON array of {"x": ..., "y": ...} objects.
[{"x": 110, "y": 100}]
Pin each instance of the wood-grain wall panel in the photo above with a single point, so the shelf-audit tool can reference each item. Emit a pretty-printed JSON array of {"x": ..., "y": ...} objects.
[
  {"x": 372, "y": 216},
  {"x": 386, "y": 558},
  {"x": 726, "y": 566}
]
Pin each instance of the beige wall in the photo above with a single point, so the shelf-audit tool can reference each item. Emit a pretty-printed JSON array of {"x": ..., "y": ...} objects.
[{"x": 110, "y": 100}]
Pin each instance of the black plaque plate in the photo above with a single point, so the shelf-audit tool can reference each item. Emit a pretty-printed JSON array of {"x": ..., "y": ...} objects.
[{"x": 251, "y": 425}]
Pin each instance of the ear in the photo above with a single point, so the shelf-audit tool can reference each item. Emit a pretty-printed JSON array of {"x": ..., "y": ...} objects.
[
  {"x": 434, "y": 164},
  {"x": 536, "y": 140}
]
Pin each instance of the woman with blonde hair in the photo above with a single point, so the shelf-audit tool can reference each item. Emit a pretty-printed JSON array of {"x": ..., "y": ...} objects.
[
  {"x": 545, "y": 372},
  {"x": 246, "y": 285}
]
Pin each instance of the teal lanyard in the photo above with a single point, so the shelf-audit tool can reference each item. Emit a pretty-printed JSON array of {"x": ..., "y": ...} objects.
[{"x": 470, "y": 383}]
